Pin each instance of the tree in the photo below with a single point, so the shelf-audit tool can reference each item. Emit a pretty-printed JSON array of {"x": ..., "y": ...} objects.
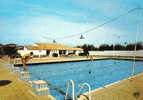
[
  {"x": 104, "y": 47},
  {"x": 139, "y": 46},
  {"x": 87, "y": 47},
  {"x": 10, "y": 49},
  {"x": 120, "y": 47},
  {"x": 1, "y": 50}
]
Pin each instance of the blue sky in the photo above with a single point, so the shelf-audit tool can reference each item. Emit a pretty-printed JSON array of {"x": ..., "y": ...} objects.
[{"x": 28, "y": 21}]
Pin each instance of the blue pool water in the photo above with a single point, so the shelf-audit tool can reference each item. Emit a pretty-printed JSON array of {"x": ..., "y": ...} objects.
[{"x": 96, "y": 73}]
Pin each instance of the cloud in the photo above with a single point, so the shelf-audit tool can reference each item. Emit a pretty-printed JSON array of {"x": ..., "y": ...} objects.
[
  {"x": 29, "y": 29},
  {"x": 47, "y": 28},
  {"x": 108, "y": 8},
  {"x": 35, "y": 21}
]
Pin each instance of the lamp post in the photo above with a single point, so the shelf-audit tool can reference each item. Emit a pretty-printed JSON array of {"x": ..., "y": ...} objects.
[
  {"x": 115, "y": 44},
  {"x": 135, "y": 48}
]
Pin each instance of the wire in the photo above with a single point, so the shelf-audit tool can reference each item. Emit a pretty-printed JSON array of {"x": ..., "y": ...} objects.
[{"x": 98, "y": 26}]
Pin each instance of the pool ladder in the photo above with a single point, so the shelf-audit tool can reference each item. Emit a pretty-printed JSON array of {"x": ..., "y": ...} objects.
[
  {"x": 78, "y": 94},
  {"x": 89, "y": 90},
  {"x": 70, "y": 82}
]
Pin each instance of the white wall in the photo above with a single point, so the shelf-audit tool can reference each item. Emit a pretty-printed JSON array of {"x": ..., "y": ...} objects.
[
  {"x": 78, "y": 52},
  {"x": 116, "y": 53},
  {"x": 67, "y": 52},
  {"x": 35, "y": 52},
  {"x": 43, "y": 52}
]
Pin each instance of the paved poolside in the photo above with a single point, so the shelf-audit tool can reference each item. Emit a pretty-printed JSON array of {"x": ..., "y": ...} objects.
[
  {"x": 127, "y": 89},
  {"x": 55, "y": 60},
  {"x": 46, "y": 60},
  {"x": 16, "y": 89}
]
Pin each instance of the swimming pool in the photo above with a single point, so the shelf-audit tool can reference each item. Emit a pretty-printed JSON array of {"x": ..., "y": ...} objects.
[{"x": 96, "y": 73}]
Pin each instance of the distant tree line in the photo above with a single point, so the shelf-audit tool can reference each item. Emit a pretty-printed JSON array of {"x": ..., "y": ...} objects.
[
  {"x": 102, "y": 47},
  {"x": 139, "y": 46},
  {"x": 9, "y": 49}
]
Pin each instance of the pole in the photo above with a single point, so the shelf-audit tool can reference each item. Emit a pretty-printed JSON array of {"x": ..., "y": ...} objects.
[{"x": 135, "y": 48}]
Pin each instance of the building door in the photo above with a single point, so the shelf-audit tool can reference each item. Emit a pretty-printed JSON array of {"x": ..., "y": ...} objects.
[{"x": 47, "y": 52}]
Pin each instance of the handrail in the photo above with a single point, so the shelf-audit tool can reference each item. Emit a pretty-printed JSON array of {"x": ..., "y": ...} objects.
[
  {"x": 89, "y": 90},
  {"x": 70, "y": 81}
]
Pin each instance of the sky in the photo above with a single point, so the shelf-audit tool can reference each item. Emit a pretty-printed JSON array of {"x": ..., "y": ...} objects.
[{"x": 27, "y": 21}]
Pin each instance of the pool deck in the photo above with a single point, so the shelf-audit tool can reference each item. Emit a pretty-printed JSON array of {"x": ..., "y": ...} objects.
[
  {"x": 16, "y": 90},
  {"x": 127, "y": 89},
  {"x": 48, "y": 60}
]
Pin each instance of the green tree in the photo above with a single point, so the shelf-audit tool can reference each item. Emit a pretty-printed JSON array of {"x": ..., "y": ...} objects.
[
  {"x": 87, "y": 47},
  {"x": 104, "y": 47},
  {"x": 10, "y": 49},
  {"x": 120, "y": 47}
]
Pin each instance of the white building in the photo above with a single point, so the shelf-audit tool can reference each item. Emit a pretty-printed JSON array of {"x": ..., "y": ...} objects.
[
  {"x": 50, "y": 49},
  {"x": 35, "y": 50}
]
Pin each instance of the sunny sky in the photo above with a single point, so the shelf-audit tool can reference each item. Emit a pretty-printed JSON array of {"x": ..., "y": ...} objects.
[{"x": 28, "y": 21}]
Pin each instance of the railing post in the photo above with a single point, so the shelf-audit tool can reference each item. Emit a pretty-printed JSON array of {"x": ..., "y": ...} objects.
[
  {"x": 89, "y": 90},
  {"x": 70, "y": 81}
]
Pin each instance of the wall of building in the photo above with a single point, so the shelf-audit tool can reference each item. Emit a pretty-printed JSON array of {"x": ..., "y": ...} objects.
[
  {"x": 116, "y": 53},
  {"x": 78, "y": 52},
  {"x": 35, "y": 52},
  {"x": 44, "y": 52}
]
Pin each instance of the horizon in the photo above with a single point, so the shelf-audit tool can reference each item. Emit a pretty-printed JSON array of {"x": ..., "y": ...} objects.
[{"x": 96, "y": 46}]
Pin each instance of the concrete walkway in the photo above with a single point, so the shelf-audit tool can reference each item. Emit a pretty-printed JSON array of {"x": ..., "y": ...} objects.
[
  {"x": 127, "y": 89},
  {"x": 15, "y": 89},
  {"x": 47, "y": 60}
]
